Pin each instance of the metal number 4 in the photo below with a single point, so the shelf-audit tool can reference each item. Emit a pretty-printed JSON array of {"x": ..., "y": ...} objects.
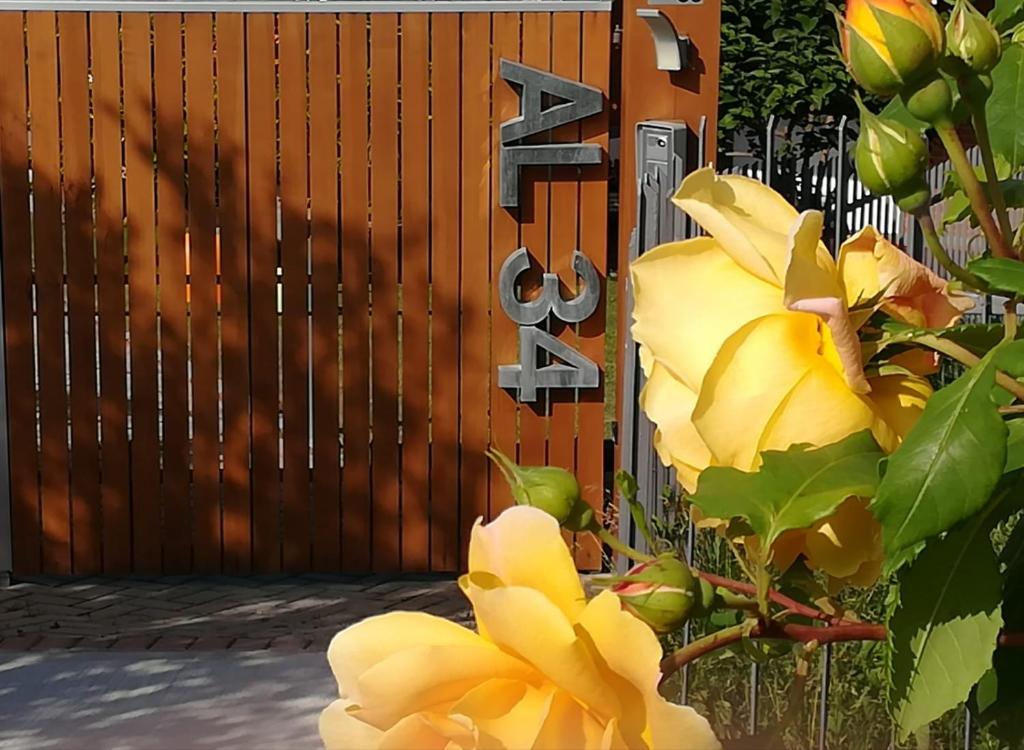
[{"x": 574, "y": 370}]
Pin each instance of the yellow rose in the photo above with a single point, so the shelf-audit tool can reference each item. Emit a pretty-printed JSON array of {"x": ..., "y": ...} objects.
[
  {"x": 548, "y": 669},
  {"x": 747, "y": 341}
]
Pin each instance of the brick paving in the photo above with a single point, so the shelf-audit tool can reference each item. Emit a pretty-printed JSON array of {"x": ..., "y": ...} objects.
[{"x": 276, "y": 613}]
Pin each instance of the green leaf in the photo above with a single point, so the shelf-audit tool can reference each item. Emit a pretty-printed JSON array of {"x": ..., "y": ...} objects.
[
  {"x": 1005, "y": 107},
  {"x": 958, "y": 206},
  {"x": 927, "y": 487},
  {"x": 943, "y": 633},
  {"x": 1007, "y": 13},
  {"x": 793, "y": 489},
  {"x": 1004, "y": 274},
  {"x": 999, "y": 698},
  {"x": 977, "y": 338},
  {"x": 1014, "y": 446}
]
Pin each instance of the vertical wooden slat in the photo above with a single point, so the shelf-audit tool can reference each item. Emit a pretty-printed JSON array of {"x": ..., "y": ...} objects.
[
  {"x": 355, "y": 262},
  {"x": 110, "y": 264},
  {"x": 170, "y": 202},
  {"x": 444, "y": 225},
  {"x": 474, "y": 282},
  {"x": 295, "y": 532},
  {"x": 260, "y": 55},
  {"x": 415, "y": 290},
  {"x": 593, "y": 242},
  {"x": 534, "y": 194},
  {"x": 141, "y": 217},
  {"x": 323, "y": 191},
  {"x": 384, "y": 295},
  {"x": 202, "y": 234},
  {"x": 49, "y": 261},
  {"x": 234, "y": 269},
  {"x": 564, "y": 204},
  {"x": 17, "y": 278},
  {"x": 504, "y": 241},
  {"x": 85, "y": 458}
]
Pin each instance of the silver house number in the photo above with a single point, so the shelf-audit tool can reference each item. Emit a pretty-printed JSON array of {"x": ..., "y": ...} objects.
[{"x": 572, "y": 369}]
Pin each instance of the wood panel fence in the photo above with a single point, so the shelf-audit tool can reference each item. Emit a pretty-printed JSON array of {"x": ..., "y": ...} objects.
[{"x": 249, "y": 281}]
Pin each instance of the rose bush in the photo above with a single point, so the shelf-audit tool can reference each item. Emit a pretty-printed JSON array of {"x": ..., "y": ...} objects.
[{"x": 547, "y": 669}]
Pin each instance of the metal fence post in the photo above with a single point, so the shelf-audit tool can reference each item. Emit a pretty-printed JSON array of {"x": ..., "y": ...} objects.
[
  {"x": 661, "y": 159},
  {"x": 6, "y": 539}
]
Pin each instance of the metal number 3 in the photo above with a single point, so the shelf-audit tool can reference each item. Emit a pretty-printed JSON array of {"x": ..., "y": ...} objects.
[
  {"x": 578, "y": 309},
  {"x": 573, "y": 370}
]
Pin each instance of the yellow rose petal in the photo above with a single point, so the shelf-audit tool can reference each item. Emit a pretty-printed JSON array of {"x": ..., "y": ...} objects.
[
  {"x": 540, "y": 634},
  {"x": 842, "y": 543},
  {"x": 506, "y": 713},
  {"x": 499, "y": 548},
  {"x": 750, "y": 220},
  {"x": 689, "y": 298},
  {"x": 898, "y": 401},
  {"x": 341, "y": 730},
  {"x": 676, "y": 727},
  {"x": 359, "y": 647},
  {"x": 770, "y": 378},
  {"x": 569, "y": 725},
  {"x": 669, "y": 405},
  {"x": 430, "y": 676},
  {"x": 428, "y": 731}
]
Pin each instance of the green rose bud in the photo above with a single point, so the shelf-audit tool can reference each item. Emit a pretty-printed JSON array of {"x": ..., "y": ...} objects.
[
  {"x": 889, "y": 155},
  {"x": 663, "y": 593},
  {"x": 972, "y": 38},
  {"x": 931, "y": 101},
  {"x": 888, "y": 44},
  {"x": 549, "y": 488}
]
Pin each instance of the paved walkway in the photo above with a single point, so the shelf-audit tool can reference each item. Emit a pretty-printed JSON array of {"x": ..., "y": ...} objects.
[
  {"x": 181, "y": 663},
  {"x": 280, "y": 613},
  {"x": 255, "y": 700}
]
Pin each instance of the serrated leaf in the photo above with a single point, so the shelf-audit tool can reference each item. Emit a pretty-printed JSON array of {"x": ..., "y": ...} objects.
[
  {"x": 944, "y": 631},
  {"x": 977, "y": 338},
  {"x": 1007, "y": 13},
  {"x": 1005, "y": 106},
  {"x": 794, "y": 488},
  {"x": 927, "y": 487},
  {"x": 1014, "y": 445},
  {"x": 958, "y": 206},
  {"x": 999, "y": 698},
  {"x": 1004, "y": 274}
]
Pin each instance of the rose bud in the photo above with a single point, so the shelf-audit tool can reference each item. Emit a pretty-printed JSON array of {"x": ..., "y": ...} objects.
[
  {"x": 548, "y": 488},
  {"x": 973, "y": 38},
  {"x": 663, "y": 593},
  {"x": 890, "y": 156},
  {"x": 888, "y": 44}
]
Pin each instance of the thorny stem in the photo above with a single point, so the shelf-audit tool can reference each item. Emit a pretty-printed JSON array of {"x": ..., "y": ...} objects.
[
  {"x": 785, "y": 631},
  {"x": 779, "y": 598},
  {"x": 980, "y": 123},
  {"x": 975, "y": 193},
  {"x": 964, "y": 356},
  {"x": 768, "y": 630},
  {"x": 931, "y": 238}
]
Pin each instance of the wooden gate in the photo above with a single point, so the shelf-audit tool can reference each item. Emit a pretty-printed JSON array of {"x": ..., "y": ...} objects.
[{"x": 251, "y": 268}]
